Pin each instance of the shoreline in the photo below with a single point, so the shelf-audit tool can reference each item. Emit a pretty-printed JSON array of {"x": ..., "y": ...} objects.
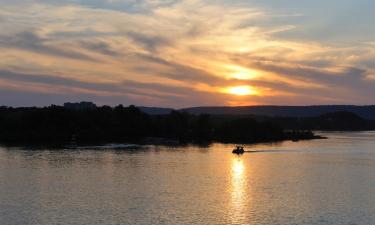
[{"x": 129, "y": 144}]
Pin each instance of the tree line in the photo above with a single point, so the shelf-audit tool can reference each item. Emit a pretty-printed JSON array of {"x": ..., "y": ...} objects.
[{"x": 119, "y": 124}]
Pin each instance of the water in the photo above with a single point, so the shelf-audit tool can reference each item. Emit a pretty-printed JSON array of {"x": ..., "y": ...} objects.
[{"x": 311, "y": 182}]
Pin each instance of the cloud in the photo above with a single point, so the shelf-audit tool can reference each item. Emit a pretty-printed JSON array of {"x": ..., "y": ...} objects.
[
  {"x": 125, "y": 87},
  {"x": 182, "y": 52},
  {"x": 64, "y": 88},
  {"x": 30, "y": 41},
  {"x": 51, "y": 84},
  {"x": 149, "y": 42},
  {"x": 99, "y": 47}
]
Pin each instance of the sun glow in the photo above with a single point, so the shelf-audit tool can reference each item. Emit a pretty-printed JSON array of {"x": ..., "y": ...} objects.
[
  {"x": 241, "y": 90},
  {"x": 242, "y": 76},
  {"x": 240, "y": 73}
]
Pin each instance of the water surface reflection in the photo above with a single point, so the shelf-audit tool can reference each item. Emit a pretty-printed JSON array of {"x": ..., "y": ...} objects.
[
  {"x": 315, "y": 182},
  {"x": 239, "y": 190}
]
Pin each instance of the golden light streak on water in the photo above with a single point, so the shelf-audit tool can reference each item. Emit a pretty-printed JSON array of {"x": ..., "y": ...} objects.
[{"x": 238, "y": 191}]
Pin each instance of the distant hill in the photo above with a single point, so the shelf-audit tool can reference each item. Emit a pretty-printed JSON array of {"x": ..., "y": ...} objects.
[
  {"x": 367, "y": 112},
  {"x": 155, "y": 110},
  {"x": 336, "y": 121}
]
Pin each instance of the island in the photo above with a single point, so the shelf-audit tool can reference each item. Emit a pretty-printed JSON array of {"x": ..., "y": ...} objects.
[{"x": 88, "y": 123}]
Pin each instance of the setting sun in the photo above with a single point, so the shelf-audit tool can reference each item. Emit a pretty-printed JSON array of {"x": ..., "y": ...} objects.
[{"x": 241, "y": 90}]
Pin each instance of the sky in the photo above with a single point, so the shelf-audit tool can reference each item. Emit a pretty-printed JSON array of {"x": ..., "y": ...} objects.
[{"x": 183, "y": 53}]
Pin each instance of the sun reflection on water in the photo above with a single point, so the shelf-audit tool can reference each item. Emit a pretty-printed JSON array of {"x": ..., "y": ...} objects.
[{"x": 238, "y": 192}]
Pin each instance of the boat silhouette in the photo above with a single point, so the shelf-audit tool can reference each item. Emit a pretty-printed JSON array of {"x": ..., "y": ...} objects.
[{"x": 238, "y": 150}]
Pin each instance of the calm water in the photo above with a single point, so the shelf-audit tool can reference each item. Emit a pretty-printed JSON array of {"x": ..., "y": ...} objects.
[{"x": 312, "y": 182}]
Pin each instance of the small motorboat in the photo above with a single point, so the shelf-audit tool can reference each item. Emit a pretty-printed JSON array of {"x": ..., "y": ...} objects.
[{"x": 238, "y": 150}]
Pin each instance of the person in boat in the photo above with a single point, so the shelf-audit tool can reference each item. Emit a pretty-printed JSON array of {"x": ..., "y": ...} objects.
[{"x": 239, "y": 150}]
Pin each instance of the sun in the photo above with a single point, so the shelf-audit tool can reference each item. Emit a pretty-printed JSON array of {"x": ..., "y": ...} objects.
[{"x": 241, "y": 90}]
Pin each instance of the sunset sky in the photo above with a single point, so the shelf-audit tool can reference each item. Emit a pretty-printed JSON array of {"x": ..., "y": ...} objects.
[{"x": 182, "y": 53}]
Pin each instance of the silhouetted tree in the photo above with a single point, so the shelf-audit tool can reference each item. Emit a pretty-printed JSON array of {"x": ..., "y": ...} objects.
[{"x": 103, "y": 124}]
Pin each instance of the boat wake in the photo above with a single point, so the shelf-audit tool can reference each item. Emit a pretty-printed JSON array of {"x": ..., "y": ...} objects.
[{"x": 269, "y": 151}]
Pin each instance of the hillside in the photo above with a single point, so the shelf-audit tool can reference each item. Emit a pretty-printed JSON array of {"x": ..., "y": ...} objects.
[
  {"x": 155, "y": 110},
  {"x": 367, "y": 112}
]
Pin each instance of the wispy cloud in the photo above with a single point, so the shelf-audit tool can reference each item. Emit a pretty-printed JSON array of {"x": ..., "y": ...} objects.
[{"x": 179, "y": 53}]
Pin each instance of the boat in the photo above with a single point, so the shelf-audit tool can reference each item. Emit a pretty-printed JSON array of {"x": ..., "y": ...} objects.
[{"x": 238, "y": 150}]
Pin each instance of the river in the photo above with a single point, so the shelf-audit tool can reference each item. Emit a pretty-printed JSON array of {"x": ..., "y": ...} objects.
[{"x": 329, "y": 181}]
